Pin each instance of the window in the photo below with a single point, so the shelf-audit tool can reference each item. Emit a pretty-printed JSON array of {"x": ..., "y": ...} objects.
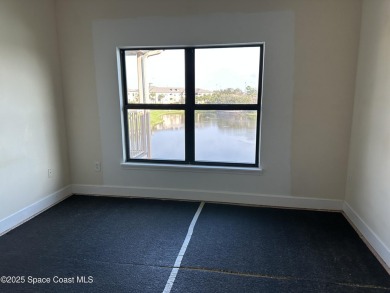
[{"x": 192, "y": 105}]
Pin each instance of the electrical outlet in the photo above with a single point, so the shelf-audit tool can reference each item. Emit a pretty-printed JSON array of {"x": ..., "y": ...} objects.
[
  {"x": 98, "y": 167},
  {"x": 49, "y": 173}
]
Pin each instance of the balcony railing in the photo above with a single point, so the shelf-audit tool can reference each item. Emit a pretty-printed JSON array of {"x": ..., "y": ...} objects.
[{"x": 139, "y": 134}]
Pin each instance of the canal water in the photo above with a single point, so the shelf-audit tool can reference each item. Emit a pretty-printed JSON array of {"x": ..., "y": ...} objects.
[{"x": 220, "y": 136}]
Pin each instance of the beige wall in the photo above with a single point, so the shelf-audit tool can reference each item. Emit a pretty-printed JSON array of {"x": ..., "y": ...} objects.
[
  {"x": 32, "y": 135},
  {"x": 368, "y": 190},
  {"x": 326, "y": 41}
]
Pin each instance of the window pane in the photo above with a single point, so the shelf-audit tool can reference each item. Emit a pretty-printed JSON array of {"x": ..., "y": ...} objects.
[
  {"x": 225, "y": 136},
  {"x": 156, "y": 134},
  {"x": 155, "y": 76},
  {"x": 227, "y": 75}
]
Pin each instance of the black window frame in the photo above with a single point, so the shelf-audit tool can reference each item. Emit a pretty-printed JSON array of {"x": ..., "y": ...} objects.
[{"x": 190, "y": 107}]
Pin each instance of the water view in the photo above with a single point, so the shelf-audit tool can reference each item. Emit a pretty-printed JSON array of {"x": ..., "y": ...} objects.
[{"x": 220, "y": 136}]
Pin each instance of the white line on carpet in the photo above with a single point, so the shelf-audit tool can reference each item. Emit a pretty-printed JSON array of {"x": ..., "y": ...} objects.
[{"x": 182, "y": 251}]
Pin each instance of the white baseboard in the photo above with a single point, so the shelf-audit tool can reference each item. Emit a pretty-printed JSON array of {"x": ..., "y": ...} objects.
[
  {"x": 211, "y": 196},
  {"x": 369, "y": 235},
  {"x": 33, "y": 210}
]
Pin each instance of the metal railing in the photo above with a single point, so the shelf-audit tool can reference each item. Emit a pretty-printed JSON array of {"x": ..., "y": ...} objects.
[{"x": 139, "y": 134}]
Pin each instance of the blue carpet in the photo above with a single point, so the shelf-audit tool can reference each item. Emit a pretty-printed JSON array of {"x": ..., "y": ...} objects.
[
  {"x": 130, "y": 245},
  {"x": 191, "y": 281},
  {"x": 283, "y": 243},
  {"x": 124, "y": 244}
]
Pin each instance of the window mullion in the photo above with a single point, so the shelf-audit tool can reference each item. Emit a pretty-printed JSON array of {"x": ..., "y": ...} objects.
[
  {"x": 156, "y": 106},
  {"x": 190, "y": 104},
  {"x": 227, "y": 107},
  {"x": 125, "y": 102}
]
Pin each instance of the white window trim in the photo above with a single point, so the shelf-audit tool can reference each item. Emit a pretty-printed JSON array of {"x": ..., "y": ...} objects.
[{"x": 193, "y": 168}]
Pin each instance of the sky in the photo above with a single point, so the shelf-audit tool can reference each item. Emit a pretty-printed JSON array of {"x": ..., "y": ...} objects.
[{"x": 215, "y": 69}]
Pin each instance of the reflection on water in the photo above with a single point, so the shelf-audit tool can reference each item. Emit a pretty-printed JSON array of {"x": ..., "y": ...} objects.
[
  {"x": 170, "y": 121},
  {"x": 220, "y": 136},
  {"x": 236, "y": 124}
]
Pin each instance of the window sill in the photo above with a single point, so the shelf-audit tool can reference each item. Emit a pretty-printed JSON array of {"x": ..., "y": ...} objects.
[{"x": 193, "y": 168}]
